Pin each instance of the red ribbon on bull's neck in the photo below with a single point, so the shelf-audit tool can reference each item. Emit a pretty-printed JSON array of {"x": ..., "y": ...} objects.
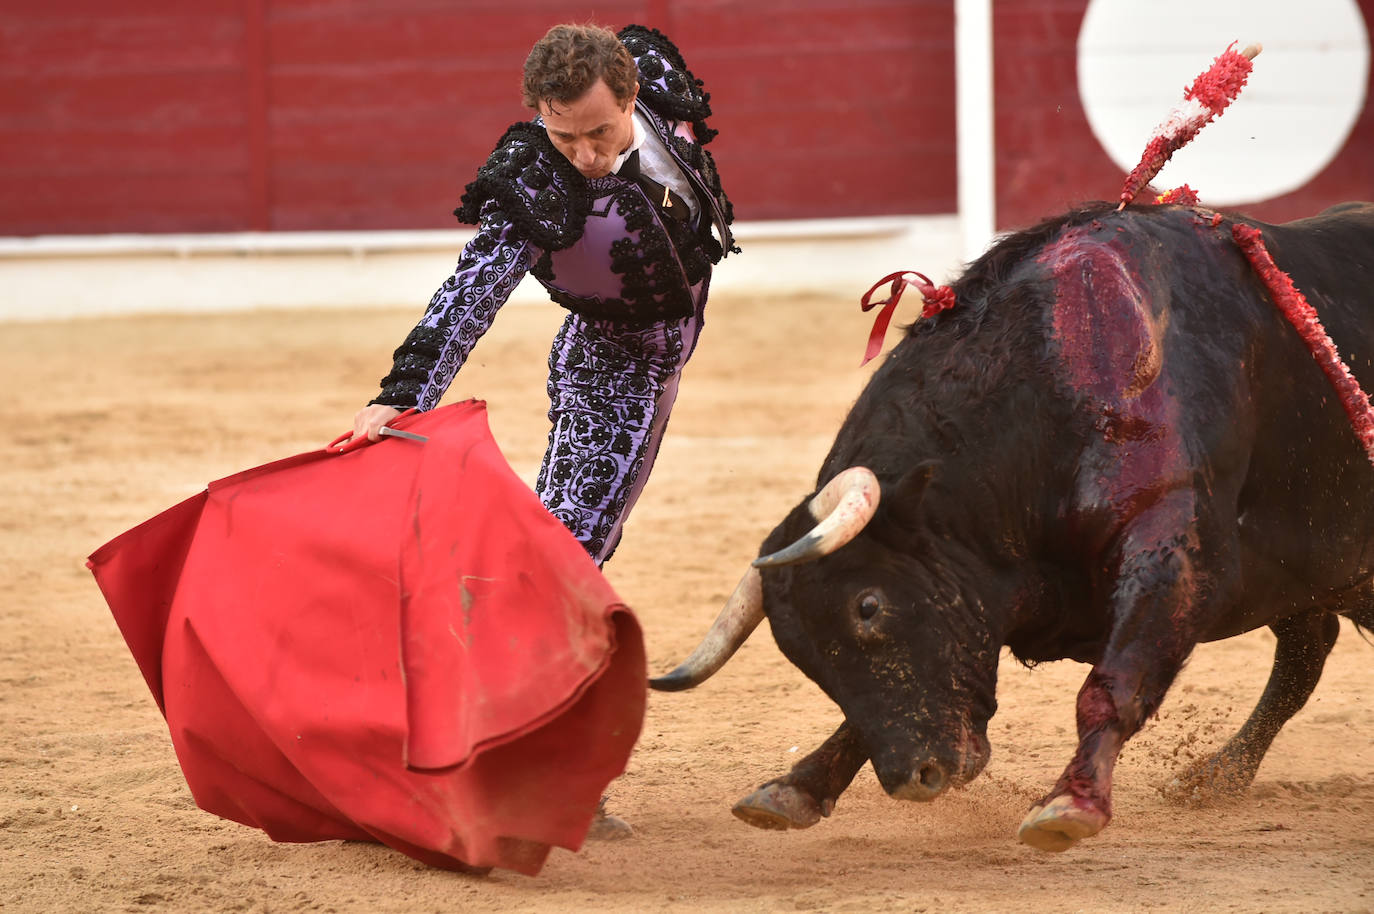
[{"x": 937, "y": 299}]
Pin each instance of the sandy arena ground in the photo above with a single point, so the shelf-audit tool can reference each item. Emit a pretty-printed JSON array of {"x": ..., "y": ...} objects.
[{"x": 108, "y": 422}]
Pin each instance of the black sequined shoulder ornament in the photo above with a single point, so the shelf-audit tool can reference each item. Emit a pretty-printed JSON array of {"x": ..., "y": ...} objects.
[
  {"x": 534, "y": 186},
  {"x": 665, "y": 83}
]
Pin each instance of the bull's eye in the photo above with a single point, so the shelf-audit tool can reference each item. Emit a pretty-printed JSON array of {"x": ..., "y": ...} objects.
[{"x": 869, "y": 605}]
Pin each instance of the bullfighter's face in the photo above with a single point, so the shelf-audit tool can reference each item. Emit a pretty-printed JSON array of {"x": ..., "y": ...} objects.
[{"x": 591, "y": 131}]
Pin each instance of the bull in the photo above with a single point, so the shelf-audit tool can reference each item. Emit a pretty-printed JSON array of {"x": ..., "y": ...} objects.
[{"x": 1112, "y": 449}]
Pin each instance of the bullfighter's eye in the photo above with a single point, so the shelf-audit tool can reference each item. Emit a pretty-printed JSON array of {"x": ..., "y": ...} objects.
[{"x": 869, "y": 605}]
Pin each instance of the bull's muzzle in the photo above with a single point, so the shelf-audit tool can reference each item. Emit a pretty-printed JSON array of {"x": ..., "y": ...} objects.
[{"x": 930, "y": 772}]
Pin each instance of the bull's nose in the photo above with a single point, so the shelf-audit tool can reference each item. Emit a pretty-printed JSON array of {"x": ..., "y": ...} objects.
[{"x": 927, "y": 781}]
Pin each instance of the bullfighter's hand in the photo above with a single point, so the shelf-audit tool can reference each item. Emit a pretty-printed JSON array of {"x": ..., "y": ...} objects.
[{"x": 369, "y": 421}]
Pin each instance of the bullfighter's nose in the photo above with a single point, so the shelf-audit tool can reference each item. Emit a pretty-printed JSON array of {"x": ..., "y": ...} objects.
[{"x": 926, "y": 781}]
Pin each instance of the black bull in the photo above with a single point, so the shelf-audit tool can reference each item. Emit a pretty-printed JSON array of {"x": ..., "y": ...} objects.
[{"x": 1112, "y": 448}]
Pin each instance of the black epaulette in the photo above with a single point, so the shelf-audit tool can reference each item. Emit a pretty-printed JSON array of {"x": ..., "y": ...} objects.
[
  {"x": 665, "y": 83},
  {"x": 534, "y": 186}
]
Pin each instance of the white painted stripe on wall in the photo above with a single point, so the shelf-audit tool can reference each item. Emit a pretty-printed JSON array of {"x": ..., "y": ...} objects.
[
  {"x": 973, "y": 114},
  {"x": 60, "y": 277}
]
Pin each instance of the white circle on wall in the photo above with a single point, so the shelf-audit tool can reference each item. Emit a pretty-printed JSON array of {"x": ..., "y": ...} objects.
[{"x": 1298, "y": 107}]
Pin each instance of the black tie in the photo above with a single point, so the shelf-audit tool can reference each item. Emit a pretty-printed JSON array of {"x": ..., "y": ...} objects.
[{"x": 664, "y": 199}]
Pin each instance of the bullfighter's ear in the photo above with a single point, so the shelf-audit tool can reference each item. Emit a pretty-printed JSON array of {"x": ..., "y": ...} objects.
[{"x": 903, "y": 501}]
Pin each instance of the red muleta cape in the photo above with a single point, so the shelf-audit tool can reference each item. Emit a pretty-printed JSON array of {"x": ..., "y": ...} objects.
[{"x": 395, "y": 644}]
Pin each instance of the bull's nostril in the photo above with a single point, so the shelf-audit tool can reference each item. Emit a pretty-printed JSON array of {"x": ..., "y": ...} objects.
[
  {"x": 932, "y": 777},
  {"x": 920, "y": 782}
]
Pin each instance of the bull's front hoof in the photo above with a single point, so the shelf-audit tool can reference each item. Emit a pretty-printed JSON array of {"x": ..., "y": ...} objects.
[
  {"x": 779, "y": 807},
  {"x": 1060, "y": 825}
]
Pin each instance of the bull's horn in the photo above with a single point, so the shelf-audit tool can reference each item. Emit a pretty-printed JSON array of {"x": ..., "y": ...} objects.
[
  {"x": 742, "y": 614},
  {"x": 843, "y": 507}
]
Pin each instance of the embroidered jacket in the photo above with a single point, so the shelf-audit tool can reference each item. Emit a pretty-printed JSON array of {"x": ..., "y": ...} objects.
[{"x": 597, "y": 245}]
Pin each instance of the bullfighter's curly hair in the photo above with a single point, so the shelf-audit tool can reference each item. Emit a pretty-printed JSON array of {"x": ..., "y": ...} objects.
[{"x": 568, "y": 61}]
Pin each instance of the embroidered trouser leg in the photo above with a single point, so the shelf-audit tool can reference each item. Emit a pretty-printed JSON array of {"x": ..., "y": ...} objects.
[{"x": 611, "y": 389}]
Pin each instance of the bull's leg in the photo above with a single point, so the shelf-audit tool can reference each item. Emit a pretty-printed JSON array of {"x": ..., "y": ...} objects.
[
  {"x": 1304, "y": 641},
  {"x": 810, "y": 789},
  {"x": 1154, "y": 610},
  {"x": 1110, "y": 711}
]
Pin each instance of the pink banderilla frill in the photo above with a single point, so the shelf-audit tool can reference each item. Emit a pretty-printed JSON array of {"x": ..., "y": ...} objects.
[
  {"x": 937, "y": 299},
  {"x": 1304, "y": 319},
  {"x": 1207, "y": 98}
]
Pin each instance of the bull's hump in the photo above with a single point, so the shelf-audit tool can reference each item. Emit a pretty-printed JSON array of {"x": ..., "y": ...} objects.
[{"x": 1110, "y": 339}]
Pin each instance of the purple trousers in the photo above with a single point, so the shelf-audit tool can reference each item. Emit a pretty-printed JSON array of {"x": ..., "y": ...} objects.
[{"x": 611, "y": 390}]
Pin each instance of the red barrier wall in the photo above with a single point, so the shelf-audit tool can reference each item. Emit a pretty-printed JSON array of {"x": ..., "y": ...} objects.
[{"x": 225, "y": 115}]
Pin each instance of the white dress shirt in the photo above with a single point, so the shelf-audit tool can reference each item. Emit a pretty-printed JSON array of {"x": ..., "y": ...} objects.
[{"x": 656, "y": 162}]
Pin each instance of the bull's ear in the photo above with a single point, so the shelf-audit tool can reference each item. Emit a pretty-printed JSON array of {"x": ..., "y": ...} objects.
[{"x": 904, "y": 499}]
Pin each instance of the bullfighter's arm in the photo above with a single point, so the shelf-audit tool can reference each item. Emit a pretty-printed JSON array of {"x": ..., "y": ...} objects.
[{"x": 461, "y": 311}]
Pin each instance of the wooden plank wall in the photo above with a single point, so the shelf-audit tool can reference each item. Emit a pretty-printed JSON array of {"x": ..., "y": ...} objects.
[
  {"x": 226, "y": 115},
  {"x": 122, "y": 117},
  {"x": 828, "y": 108}
]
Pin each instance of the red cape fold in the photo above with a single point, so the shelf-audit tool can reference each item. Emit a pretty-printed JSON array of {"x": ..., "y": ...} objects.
[{"x": 397, "y": 644}]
